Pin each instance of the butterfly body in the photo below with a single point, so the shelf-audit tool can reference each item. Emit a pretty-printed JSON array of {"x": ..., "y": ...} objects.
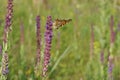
[{"x": 59, "y": 23}]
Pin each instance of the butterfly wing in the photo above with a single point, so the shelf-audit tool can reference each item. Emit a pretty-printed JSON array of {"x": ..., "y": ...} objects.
[{"x": 59, "y": 23}]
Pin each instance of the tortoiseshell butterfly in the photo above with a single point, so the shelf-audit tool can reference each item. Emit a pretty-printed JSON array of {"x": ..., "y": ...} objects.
[{"x": 59, "y": 23}]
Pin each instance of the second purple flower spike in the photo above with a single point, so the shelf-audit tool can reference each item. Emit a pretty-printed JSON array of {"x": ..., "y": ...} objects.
[
  {"x": 38, "y": 37},
  {"x": 48, "y": 40}
]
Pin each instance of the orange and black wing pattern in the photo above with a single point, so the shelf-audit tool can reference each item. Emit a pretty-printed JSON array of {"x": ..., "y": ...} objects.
[{"x": 59, "y": 23}]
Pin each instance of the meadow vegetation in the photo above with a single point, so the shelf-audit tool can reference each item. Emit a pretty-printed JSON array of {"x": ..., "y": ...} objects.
[{"x": 87, "y": 48}]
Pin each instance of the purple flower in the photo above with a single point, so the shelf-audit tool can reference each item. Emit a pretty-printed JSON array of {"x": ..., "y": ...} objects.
[
  {"x": 0, "y": 50},
  {"x": 110, "y": 68},
  {"x": 38, "y": 37},
  {"x": 102, "y": 56},
  {"x": 48, "y": 40},
  {"x": 5, "y": 64},
  {"x": 8, "y": 20},
  {"x": 9, "y": 13},
  {"x": 112, "y": 32}
]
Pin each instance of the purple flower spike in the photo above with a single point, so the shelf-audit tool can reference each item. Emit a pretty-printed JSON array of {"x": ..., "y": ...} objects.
[
  {"x": 48, "y": 40},
  {"x": 112, "y": 32},
  {"x": 5, "y": 64},
  {"x": 38, "y": 37},
  {"x": 110, "y": 68},
  {"x": 21, "y": 33},
  {"x": 8, "y": 20},
  {"x": 9, "y": 13},
  {"x": 102, "y": 56},
  {"x": 0, "y": 50}
]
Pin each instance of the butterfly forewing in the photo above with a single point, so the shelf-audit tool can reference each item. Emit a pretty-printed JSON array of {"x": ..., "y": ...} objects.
[{"x": 59, "y": 23}]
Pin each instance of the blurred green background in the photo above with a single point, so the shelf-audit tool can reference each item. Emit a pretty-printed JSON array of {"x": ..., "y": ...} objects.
[{"x": 70, "y": 53}]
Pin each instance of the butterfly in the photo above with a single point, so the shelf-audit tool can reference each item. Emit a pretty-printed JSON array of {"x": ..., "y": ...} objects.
[{"x": 60, "y": 22}]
